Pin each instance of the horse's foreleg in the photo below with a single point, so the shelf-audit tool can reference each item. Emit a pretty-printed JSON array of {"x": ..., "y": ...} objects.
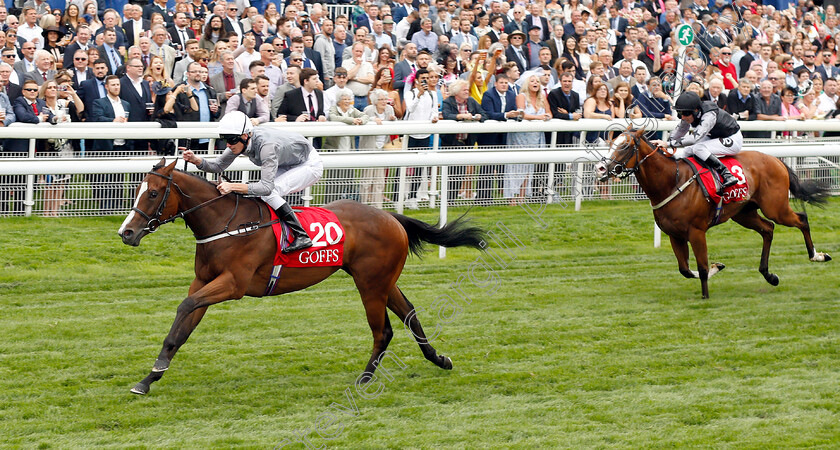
[
  {"x": 403, "y": 308},
  {"x": 764, "y": 227},
  {"x": 187, "y": 317},
  {"x": 697, "y": 238}
]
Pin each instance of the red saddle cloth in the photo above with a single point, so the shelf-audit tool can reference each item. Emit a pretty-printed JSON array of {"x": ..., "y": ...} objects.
[
  {"x": 710, "y": 180},
  {"x": 326, "y": 233}
]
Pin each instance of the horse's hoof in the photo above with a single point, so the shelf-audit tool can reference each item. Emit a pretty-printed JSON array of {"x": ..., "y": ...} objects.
[
  {"x": 772, "y": 278},
  {"x": 827, "y": 257},
  {"x": 821, "y": 257},
  {"x": 446, "y": 364},
  {"x": 140, "y": 389},
  {"x": 160, "y": 365},
  {"x": 720, "y": 266}
]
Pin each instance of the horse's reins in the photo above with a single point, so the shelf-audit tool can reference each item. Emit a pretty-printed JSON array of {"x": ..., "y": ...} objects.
[
  {"x": 154, "y": 222},
  {"x": 621, "y": 171}
]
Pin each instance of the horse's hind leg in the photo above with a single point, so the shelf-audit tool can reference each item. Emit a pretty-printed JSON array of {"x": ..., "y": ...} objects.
[
  {"x": 783, "y": 214},
  {"x": 750, "y": 219},
  {"x": 408, "y": 315},
  {"x": 380, "y": 327}
]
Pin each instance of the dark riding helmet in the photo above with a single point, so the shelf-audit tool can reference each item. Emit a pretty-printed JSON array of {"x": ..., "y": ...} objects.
[{"x": 688, "y": 103}]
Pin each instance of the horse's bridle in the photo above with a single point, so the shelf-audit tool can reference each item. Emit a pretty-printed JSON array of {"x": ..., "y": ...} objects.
[
  {"x": 620, "y": 169},
  {"x": 154, "y": 222}
]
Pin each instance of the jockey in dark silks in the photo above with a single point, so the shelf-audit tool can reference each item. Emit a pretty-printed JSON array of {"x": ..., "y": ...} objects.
[
  {"x": 288, "y": 163},
  {"x": 714, "y": 133}
]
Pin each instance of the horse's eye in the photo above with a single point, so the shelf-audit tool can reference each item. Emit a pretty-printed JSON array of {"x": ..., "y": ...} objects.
[{"x": 153, "y": 194}]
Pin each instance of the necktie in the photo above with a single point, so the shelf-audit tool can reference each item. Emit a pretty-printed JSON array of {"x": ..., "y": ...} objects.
[
  {"x": 35, "y": 108},
  {"x": 145, "y": 60},
  {"x": 312, "y": 107},
  {"x": 44, "y": 74},
  {"x": 115, "y": 59}
]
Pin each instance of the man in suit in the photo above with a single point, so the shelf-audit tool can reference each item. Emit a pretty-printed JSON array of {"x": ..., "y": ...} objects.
[
  {"x": 405, "y": 67},
  {"x": 136, "y": 91},
  {"x": 27, "y": 63},
  {"x": 564, "y": 104},
  {"x": 80, "y": 69},
  {"x": 569, "y": 28},
  {"x": 618, "y": 23},
  {"x": 191, "y": 46},
  {"x": 108, "y": 51},
  {"x": 497, "y": 27},
  {"x": 555, "y": 43},
  {"x": 825, "y": 69},
  {"x": 28, "y": 109},
  {"x": 306, "y": 103},
  {"x": 366, "y": 20},
  {"x": 11, "y": 90},
  {"x": 180, "y": 32},
  {"x": 517, "y": 52},
  {"x": 247, "y": 102},
  {"x": 752, "y": 49},
  {"x": 459, "y": 99},
  {"x": 94, "y": 88},
  {"x": 110, "y": 108},
  {"x": 401, "y": 9},
  {"x": 625, "y": 72},
  {"x": 226, "y": 82},
  {"x": 135, "y": 24},
  {"x": 82, "y": 43},
  {"x": 536, "y": 18},
  {"x": 518, "y": 23},
  {"x": 43, "y": 71},
  {"x": 464, "y": 35},
  {"x": 111, "y": 20},
  {"x": 160, "y": 48},
  {"x": 231, "y": 22},
  {"x": 498, "y": 103}
]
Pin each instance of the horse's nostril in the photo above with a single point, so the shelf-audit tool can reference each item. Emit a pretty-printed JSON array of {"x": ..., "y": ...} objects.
[{"x": 127, "y": 233}]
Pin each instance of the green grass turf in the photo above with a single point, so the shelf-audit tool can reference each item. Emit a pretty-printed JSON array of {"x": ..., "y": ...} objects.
[{"x": 590, "y": 338}]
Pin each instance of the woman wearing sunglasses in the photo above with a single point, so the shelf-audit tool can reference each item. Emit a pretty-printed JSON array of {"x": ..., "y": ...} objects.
[{"x": 287, "y": 160}]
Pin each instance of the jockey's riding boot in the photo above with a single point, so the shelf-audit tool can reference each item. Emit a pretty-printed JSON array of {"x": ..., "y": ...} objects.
[
  {"x": 727, "y": 178},
  {"x": 302, "y": 240}
]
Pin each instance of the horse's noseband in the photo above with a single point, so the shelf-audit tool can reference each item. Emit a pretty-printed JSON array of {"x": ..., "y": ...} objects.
[{"x": 154, "y": 222}]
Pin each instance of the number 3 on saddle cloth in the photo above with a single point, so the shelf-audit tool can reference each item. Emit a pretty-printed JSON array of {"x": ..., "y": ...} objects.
[
  {"x": 710, "y": 181},
  {"x": 327, "y": 236}
]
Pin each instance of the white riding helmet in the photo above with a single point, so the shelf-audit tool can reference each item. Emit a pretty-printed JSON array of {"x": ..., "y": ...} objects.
[{"x": 234, "y": 124}]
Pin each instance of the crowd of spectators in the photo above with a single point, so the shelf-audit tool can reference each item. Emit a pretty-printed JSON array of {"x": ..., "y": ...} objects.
[{"x": 424, "y": 60}]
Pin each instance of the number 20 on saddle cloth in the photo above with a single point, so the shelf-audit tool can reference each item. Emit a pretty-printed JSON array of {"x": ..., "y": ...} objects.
[
  {"x": 327, "y": 236},
  {"x": 710, "y": 181}
]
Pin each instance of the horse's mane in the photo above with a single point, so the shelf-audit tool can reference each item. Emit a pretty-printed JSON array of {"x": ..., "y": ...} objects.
[{"x": 159, "y": 166}]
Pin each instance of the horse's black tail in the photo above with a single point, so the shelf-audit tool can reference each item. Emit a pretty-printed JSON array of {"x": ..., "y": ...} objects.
[
  {"x": 457, "y": 233},
  {"x": 808, "y": 191}
]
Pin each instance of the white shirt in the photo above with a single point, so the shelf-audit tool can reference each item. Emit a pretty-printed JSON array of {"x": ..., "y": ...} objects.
[
  {"x": 359, "y": 89},
  {"x": 244, "y": 60},
  {"x": 81, "y": 75},
  {"x": 137, "y": 85},
  {"x": 424, "y": 107},
  {"x": 116, "y": 103},
  {"x": 307, "y": 99},
  {"x": 329, "y": 99},
  {"x": 29, "y": 33},
  {"x": 827, "y": 103}
]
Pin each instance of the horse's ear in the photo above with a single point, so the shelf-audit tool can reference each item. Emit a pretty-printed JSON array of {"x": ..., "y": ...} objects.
[
  {"x": 162, "y": 162},
  {"x": 640, "y": 132},
  {"x": 168, "y": 169}
]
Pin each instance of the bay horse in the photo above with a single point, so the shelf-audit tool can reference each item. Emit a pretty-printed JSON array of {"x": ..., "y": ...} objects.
[
  {"x": 375, "y": 249},
  {"x": 684, "y": 214}
]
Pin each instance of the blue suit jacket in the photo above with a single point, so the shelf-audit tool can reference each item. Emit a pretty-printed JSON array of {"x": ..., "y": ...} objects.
[
  {"x": 362, "y": 21},
  {"x": 102, "y": 111},
  {"x": 401, "y": 71},
  {"x": 88, "y": 92},
  {"x": 24, "y": 114},
  {"x": 491, "y": 103},
  {"x": 398, "y": 13}
]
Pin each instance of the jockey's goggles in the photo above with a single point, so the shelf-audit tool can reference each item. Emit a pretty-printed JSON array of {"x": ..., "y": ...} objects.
[{"x": 232, "y": 139}]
